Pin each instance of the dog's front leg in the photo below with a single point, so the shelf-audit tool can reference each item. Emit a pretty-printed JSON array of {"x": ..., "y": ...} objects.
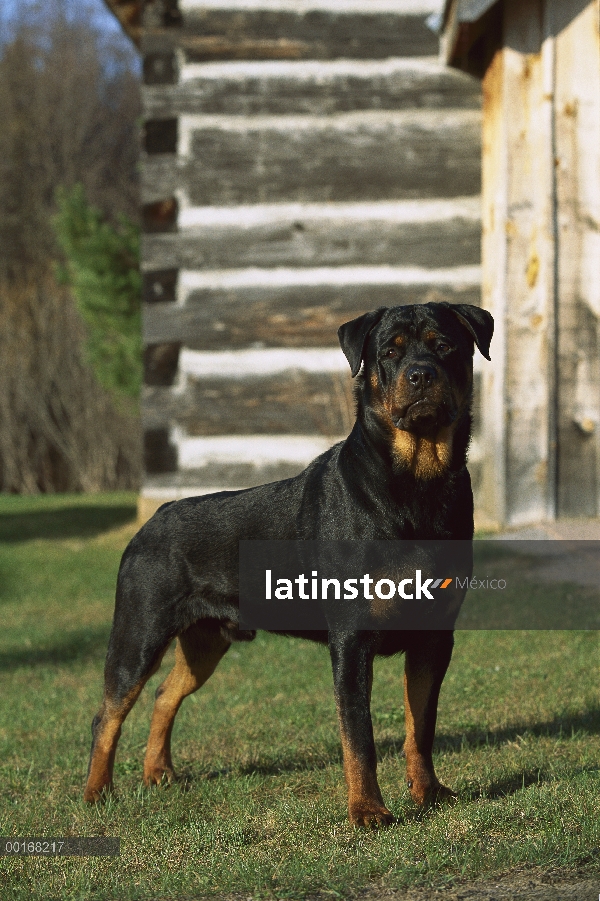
[
  {"x": 352, "y": 661},
  {"x": 427, "y": 659}
]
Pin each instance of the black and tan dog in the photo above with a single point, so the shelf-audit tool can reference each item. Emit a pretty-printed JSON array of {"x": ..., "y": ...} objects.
[{"x": 400, "y": 474}]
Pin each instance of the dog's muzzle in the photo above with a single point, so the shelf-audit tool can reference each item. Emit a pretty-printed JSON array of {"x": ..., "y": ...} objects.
[
  {"x": 424, "y": 418},
  {"x": 425, "y": 406}
]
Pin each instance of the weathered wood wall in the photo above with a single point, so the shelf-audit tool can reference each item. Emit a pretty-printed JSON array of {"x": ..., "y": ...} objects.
[
  {"x": 541, "y": 263},
  {"x": 577, "y": 154},
  {"x": 302, "y": 163}
]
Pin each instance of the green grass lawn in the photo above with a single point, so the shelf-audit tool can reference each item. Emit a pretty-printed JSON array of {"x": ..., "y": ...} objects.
[{"x": 260, "y": 808}]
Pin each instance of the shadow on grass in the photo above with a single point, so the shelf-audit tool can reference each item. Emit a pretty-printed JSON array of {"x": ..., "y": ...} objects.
[
  {"x": 297, "y": 764},
  {"x": 82, "y": 644},
  {"x": 70, "y": 522},
  {"x": 501, "y": 788},
  {"x": 587, "y": 722},
  {"x": 562, "y": 725}
]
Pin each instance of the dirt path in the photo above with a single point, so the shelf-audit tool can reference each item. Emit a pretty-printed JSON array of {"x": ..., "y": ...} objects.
[
  {"x": 518, "y": 885},
  {"x": 515, "y": 886}
]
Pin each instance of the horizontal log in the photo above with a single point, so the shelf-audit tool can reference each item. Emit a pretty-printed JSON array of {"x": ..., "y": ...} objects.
[
  {"x": 254, "y": 450},
  {"x": 292, "y": 32},
  {"x": 312, "y": 87},
  {"x": 219, "y": 477},
  {"x": 302, "y": 7},
  {"x": 292, "y": 403},
  {"x": 347, "y": 157},
  {"x": 175, "y": 461},
  {"x": 413, "y": 234},
  {"x": 260, "y": 362},
  {"x": 286, "y": 316}
]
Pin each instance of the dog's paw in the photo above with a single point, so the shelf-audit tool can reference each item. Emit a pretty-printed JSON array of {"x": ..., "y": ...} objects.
[
  {"x": 158, "y": 775},
  {"x": 96, "y": 794},
  {"x": 444, "y": 795},
  {"x": 370, "y": 814},
  {"x": 429, "y": 795}
]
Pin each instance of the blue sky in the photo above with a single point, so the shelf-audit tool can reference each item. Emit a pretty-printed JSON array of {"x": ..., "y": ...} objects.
[{"x": 94, "y": 10}]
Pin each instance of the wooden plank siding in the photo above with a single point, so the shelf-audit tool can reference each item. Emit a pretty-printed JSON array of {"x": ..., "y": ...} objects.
[
  {"x": 375, "y": 29},
  {"x": 312, "y": 87},
  {"x": 577, "y": 152},
  {"x": 517, "y": 202},
  {"x": 301, "y": 164},
  {"x": 281, "y": 308},
  {"x": 540, "y": 260},
  {"x": 373, "y": 155},
  {"x": 266, "y": 405},
  {"x": 422, "y": 233}
]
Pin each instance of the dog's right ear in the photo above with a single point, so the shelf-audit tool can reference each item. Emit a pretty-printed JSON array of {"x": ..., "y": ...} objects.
[{"x": 353, "y": 337}]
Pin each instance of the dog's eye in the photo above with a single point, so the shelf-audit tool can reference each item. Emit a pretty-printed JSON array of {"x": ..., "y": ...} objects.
[
  {"x": 390, "y": 354},
  {"x": 442, "y": 347}
]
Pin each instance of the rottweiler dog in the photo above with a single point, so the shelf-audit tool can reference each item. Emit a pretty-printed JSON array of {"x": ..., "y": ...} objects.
[{"x": 400, "y": 474}]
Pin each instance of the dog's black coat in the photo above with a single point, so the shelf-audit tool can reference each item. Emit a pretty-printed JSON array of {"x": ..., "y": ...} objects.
[{"x": 394, "y": 477}]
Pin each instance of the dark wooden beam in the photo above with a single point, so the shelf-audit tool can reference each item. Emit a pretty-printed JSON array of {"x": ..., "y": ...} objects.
[
  {"x": 471, "y": 33},
  {"x": 129, "y": 14}
]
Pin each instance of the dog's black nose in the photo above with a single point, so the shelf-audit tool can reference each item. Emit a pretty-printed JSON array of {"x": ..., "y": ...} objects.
[{"x": 421, "y": 375}]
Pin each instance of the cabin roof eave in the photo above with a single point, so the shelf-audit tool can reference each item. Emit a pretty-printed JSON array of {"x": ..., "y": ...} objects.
[
  {"x": 462, "y": 24},
  {"x": 129, "y": 15}
]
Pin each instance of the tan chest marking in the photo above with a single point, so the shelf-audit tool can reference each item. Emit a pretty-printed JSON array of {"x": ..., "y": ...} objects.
[{"x": 426, "y": 458}]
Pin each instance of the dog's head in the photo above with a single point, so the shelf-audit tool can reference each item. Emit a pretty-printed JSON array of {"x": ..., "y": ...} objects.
[{"x": 416, "y": 385}]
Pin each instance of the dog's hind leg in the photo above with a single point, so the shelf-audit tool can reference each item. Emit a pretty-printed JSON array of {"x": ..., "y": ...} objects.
[
  {"x": 197, "y": 654},
  {"x": 133, "y": 656},
  {"x": 106, "y": 731}
]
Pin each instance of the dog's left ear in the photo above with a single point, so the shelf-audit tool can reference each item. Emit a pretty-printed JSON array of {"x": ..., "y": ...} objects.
[
  {"x": 353, "y": 337},
  {"x": 478, "y": 322}
]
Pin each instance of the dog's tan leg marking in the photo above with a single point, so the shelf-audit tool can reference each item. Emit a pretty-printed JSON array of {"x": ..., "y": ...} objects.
[
  {"x": 365, "y": 802},
  {"x": 197, "y": 654},
  {"x": 106, "y": 735},
  {"x": 420, "y": 709}
]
